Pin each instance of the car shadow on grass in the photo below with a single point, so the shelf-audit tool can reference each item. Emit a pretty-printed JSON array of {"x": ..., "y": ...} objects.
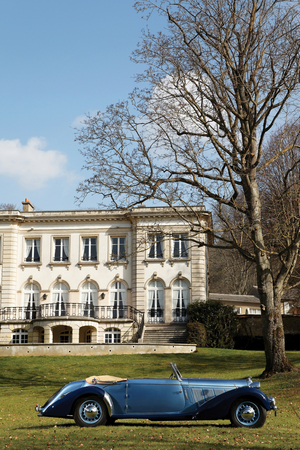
[{"x": 134, "y": 424}]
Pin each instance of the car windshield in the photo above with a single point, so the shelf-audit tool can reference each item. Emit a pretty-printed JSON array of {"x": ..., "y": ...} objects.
[{"x": 175, "y": 372}]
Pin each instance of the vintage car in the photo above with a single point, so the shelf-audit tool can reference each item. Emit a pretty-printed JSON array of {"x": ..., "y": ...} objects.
[{"x": 101, "y": 400}]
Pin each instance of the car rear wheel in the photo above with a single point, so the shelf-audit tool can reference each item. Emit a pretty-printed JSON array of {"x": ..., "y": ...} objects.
[
  {"x": 90, "y": 412},
  {"x": 247, "y": 413}
]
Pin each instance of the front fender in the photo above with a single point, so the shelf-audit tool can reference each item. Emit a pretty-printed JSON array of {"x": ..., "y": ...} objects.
[
  {"x": 219, "y": 407},
  {"x": 64, "y": 406}
]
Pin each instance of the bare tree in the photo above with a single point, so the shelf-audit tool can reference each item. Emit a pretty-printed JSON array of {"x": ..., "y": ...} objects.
[
  {"x": 7, "y": 206},
  {"x": 223, "y": 75},
  {"x": 280, "y": 197},
  {"x": 230, "y": 273}
]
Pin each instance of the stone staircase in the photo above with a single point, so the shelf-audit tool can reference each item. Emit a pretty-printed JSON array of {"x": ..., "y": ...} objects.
[{"x": 164, "y": 334}]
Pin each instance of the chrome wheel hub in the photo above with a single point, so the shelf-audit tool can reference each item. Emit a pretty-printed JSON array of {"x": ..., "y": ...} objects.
[
  {"x": 247, "y": 413},
  {"x": 90, "y": 411}
]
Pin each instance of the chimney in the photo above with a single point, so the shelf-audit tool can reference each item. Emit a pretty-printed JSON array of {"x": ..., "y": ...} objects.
[{"x": 27, "y": 206}]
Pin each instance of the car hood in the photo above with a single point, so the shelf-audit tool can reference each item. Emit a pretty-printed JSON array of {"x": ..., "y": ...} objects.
[{"x": 214, "y": 382}]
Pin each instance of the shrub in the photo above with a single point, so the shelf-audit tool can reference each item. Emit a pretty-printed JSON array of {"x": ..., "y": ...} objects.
[
  {"x": 196, "y": 334},
  {"x": 220, "y": 321}
]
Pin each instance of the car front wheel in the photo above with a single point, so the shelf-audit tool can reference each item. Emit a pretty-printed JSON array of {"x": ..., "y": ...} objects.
[
  {"x": 247, "y": 413},
  {"x": 90, "y": 412}
]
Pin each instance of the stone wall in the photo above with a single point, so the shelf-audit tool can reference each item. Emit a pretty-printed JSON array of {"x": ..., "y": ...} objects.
[
  {"x": 252, "y": 325},
  {"x": 92, "y": 349}
]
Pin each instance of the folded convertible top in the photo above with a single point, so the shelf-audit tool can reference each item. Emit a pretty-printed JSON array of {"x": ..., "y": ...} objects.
[{"x": 104, "y": 379}]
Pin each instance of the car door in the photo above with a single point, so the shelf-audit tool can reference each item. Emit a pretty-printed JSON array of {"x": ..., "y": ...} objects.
[{"x": 154, "y": 396}]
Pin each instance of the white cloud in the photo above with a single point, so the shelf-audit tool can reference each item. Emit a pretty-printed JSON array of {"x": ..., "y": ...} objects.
[
  {"x": 78, "y": 122},
  {"x": 30, "y": 165}
]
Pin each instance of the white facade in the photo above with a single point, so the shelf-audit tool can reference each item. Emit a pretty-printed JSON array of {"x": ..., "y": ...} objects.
[{"x": 95, "y": 276}]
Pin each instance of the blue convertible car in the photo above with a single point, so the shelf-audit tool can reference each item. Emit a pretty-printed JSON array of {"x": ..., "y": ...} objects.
[{"x": 101, "y": 400}]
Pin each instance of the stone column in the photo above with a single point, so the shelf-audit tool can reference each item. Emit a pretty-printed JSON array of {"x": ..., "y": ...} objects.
[
  {"x": 48, "y": 335},
  {"x": 10, "y": 263},
  {"x": 168, "y": 305},
  {"x": 75, "y": 334},
  {"x": 138, "y": 269},
  {"x": 199, "y": 276}
]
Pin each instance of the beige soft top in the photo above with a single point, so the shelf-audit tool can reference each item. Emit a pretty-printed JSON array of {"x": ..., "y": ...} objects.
[{"x": 104, "y": 379}]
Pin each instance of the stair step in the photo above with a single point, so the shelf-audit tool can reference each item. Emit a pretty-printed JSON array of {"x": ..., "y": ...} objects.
[{"x": 165, "y": 334}]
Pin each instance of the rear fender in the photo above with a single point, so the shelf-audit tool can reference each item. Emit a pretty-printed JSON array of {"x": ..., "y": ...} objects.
[
  {"x": 219, "y": 407},
  {"x": 65, "y": 406}
]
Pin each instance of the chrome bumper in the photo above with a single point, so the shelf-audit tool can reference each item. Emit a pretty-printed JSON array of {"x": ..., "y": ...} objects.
[
  {"x": 38, "y": 409},
  {"x": 272, "y": 404}
]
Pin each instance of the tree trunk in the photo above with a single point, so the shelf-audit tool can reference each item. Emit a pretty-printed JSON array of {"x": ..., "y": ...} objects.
[
  {"x": 269, "y": 295},
  {"x": 273, "y": 332}
]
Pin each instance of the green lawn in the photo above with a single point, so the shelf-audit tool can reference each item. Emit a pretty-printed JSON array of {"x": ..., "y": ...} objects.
[{"x": 24, "y": 381}]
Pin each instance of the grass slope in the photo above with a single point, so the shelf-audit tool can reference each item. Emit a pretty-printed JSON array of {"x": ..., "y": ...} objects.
[{"x": 24, "y": 381}]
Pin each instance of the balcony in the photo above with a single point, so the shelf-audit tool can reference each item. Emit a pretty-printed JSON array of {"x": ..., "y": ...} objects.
[
  {"x": 155, "y": 315},
  {"x": 74, "y": 310},
  {"x": 179, "y": 315}
]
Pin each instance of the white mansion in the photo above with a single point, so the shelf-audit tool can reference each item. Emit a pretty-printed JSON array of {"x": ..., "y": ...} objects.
[{"x": 97, "y": 276}]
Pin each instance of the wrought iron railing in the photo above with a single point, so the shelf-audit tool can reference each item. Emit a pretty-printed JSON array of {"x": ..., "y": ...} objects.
[
  {"x": 71, "y": 310},
  {"x": 179, "y": 315},
  {"x": 134, "y": 333},
  {"x": 155, "y": 315}
]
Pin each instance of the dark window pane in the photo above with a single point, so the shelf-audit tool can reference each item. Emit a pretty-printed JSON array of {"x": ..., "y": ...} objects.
[
  {"x": 151, "y": 253},
  {"x": 159, "y": 251},
  {"x": 29, "y": 257},
  {"x": 176, "y": 249},
  {"x": 94, "y": 253},
  {"x": 122, "y": 250},
  {"x": 57, "y": 249},
  {"x": 36, "y": 251}
]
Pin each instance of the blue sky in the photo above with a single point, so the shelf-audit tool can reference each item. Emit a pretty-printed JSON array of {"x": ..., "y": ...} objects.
[{"x": 60, "y": 59}]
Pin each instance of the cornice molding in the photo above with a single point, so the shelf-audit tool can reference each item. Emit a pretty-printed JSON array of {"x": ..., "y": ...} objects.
[{"x": 91, "y": 216}]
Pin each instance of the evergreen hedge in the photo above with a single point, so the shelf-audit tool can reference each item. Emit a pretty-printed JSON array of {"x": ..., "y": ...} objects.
[{"x": 220, "y": 322}]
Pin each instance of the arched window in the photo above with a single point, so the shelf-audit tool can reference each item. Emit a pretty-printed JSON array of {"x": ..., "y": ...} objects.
[
  {"x": 112, "y": 336},
  {"x": 89, "y": 295},
  {"x": 118, "y": 297},
  {"x": 31, "y": 300},
  {"x": 20, "y": 336},
  {"x": 42, "y": 336},
  {"x": 88, "y": 336},
  {"x": 65, "y": 336},
  {"x": 60, "y": 297},
  {"x": 181, "y": 298},
  {"x": 155, "y": 301}
]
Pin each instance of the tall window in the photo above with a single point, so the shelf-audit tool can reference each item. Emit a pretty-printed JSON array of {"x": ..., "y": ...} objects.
[
  {"x": 180, "y": 247},
  {"x": 88, "y": 337},
  {"x": 31, "y": 300},
  {"x": 61, "y": 249},
  {"x": 155, "y": 301},
  {"x": 89, "y": 249},
  {"x": 181, "y": 295},
  {"x": 20, "y": 337},
  {"x": 118, "y": 249},
  {"x": 156, "y": 249},
  {"x": 89, "y": 295},
  {"x": 118, "y": 293},
  {"x": 112, "y": 336},
  {"x": 32, "y": 250},
  {"x": 60, "y": 299}
]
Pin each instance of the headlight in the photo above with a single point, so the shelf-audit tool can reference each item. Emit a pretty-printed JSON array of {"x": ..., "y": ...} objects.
[{"x": 272, "y": 401}]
